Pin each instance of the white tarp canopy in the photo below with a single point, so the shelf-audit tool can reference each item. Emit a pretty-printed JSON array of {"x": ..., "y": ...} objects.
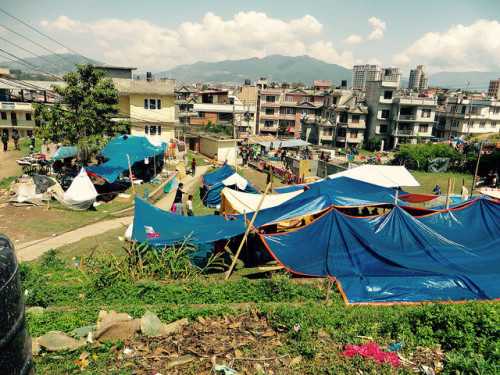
[
  {"x": 389, "y": 176},
  {"x": 490, "y": 192},
  {"x": 237, "y": 202},
  {"x": 236, "y": 179},
  {"x": 26, "y": 194},
  {"x": 81, "y": 194},
  {"x": 285, "y": 144}
]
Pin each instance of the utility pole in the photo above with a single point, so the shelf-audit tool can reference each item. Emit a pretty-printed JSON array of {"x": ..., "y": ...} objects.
[{"x": 235, "y": 146}]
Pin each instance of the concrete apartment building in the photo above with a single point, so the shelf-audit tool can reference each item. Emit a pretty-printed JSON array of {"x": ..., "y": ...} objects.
[
  {"x": 463, "y": 116},
  {"x": 418, "y": 79},
  {"x": 494, "y": 89},
  {"x": 364, "y": 73},
  {"x": 288, "y": 108},
  {"x": 396, "y": 118},
  {"x": 342, "y": 121}
]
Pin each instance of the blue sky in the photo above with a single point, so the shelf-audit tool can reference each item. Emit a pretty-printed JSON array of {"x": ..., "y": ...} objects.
[{"x": 158, "y": 35}]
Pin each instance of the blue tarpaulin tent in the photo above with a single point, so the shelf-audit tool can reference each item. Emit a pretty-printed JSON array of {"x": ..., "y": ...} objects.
[
  {"x": 162, "y": 228},
  {"x": 65, "y": 152},
  {"x": 214, "y": 182},
  {"x": 397, "y": 258},
  {"x": 138, "y": 149}
]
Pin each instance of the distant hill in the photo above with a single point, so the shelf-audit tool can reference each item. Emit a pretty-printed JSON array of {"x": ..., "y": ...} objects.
[
  {"x": 55, "y": 64},
  {"x": 274, "y": 68},
  {"x": 479, "y": 81}
]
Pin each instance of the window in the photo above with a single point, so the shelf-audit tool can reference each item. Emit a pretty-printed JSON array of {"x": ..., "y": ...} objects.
[
  {"x": 305, "y": 111},
  {"x": 423, "y": 128},
  {"x": 13, "y": 115},
  {"x": 355, "y": 119},
  {"x": 493, "y": 124},
  {"x": 328, "y": 131},
  {"x": 28, "y": 116},
  {"x": 496, "y": 111},
  {"x": 270, "y": 99},
  {"x": 482, "y": 124},
  {"x": 4, "y": 115},
  {"x": 453, "y": 108},
  {"x": 152, "y": 104},
  {"x": 354, "y": 134},
  {"x": 426, "y": 113},
  {"x": 473, "y": 110},
  {"x": 454, "y": 123},
  {"x": 306, "y": 99},
  {"x": 442, "y": 121},
  {"x": 387, "y": 94},
  {"x": 385, "y": 113},
  {"x": 152, "y": 130},
  {"x": 343, "y": 118},
  {"x": 288, "y": 111},
  {"x": 269, "y": 111},
  {"x": 289, "y": 98},
  {"x": 463, "y": 109},
  {"x": 383, "y": 129},
  {"x": 269, "y": 124},
  {"x": 470, "y": 123}
]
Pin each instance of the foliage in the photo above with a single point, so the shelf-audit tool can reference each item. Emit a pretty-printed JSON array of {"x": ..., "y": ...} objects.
[
  {"x": 372, "y": 144},
  {"x": 282, "y": 128},
  {"x": 247, "y": 82},
  {"x": 297, "y": 85},
  {"x": 85, "y": 119},
  {"x": 218, "y": 128},
  {"x": 204, "y": 87}
]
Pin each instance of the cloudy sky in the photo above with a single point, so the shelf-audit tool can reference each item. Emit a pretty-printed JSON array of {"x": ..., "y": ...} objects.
[{"x": 451, "y": 35}]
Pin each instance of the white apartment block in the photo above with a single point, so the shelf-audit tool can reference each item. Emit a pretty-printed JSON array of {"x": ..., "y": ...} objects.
[
  {"x": 364, "y": 73},
  {"x": 494, "y": 89},
  {"x": 398, "y": 118},
  {"x": 462, "y": 117},
  {"x": 418, "y": 79}
]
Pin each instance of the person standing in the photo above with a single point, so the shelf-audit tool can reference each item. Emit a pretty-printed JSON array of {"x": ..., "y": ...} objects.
[
  {"x": 189, "y": 205},
  {"x": 177, "y": 207},
  {"x": 5, "y": 141},
  {"x": 15, "y": 138},
  {"x": 214, "y": 161},
  {"x": 193, "y": 167},
  {"x": 32, "y": 139},
  {"x": 244, "y": 155}
]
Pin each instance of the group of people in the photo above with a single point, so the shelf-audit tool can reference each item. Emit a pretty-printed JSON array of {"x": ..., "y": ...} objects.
[
  {"x": 178, "y": 207},
  {"x": 15, "y": 139}
]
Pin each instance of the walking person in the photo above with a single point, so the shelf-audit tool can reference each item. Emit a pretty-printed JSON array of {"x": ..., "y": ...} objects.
[
  {"x": 189, "y": 205},
  {"x": 177, "y": 207},
  {"x": 5, "y": 141},
  {"x": 193, "y": 167},
  {"x": 15, "y": 137}
]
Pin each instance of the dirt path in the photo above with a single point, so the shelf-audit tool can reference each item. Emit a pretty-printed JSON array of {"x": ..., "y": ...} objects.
[
  {"x": 8, "y": 165},
  {"x": 32, "y": 250}
]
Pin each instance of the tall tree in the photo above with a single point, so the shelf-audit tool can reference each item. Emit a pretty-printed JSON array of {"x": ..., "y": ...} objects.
[{"x": 84, "y": 118}]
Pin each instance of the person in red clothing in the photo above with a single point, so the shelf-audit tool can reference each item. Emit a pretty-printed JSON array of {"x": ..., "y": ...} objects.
[{"x": 193, "y": 167}]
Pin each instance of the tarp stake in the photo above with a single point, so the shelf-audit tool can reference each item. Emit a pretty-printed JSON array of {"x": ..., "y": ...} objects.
[{"x": 247, "y": 231}]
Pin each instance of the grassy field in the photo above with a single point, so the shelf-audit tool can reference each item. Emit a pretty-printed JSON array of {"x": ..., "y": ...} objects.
[{"x": 429, "y": 180}]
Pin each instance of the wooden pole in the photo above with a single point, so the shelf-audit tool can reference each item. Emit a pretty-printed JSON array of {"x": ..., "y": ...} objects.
[
  {"x": 328, "y": 289},
  {"x": 448, "y": 194},
  {"x": 247, "y": 231},
  {"x": 245, "y": 216},
  {"x": 154, "y": 161},
  {"x": 477, "y": 167},
  {"x": 396, "y": 198},
  {"x": 130, "y": 172}
]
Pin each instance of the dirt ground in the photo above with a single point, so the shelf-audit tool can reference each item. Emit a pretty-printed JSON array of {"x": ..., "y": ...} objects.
[{"x": 8, "y": 165}]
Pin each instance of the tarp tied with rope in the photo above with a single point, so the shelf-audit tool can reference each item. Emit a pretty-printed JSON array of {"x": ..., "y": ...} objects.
[
  {"x": 137, "y": 148},
  {"x": 397, "y": 258}
]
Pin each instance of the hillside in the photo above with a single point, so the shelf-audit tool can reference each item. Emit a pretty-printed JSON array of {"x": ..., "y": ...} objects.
[
  {"x": 55, "y": 64},
  {"x": 275, "y": 67}
]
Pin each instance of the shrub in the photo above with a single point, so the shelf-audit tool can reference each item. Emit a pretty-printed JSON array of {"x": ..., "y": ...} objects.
[{"x": 372, "y": 144}]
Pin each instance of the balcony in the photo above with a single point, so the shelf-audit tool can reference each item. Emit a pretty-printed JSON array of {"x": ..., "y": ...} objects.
[{"x": 407, "y": 132}]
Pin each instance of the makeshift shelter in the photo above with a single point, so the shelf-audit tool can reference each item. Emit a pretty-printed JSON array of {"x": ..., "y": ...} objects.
[
  {"x": 285, "y": 144},
  {"x": 162, "y": 228},
  {"x": 490, "y": 192},
  {"x": 80, "y": 195},
  {"x": 237, "y": 202},
  {"x": 138, "y": 149},
  {"x": 382, "y": 175},
  {"x": 214, "y": 182},
  {"x": 65, "y": 152},
  {"x": 33, "y": 190},
  {"x": 396, "y": 258}
]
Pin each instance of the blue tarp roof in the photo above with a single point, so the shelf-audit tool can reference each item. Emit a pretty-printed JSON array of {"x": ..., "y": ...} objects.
[
  {"x": 397, "y": 258},
  {"x": 65, "y": 152},
  {"x": 210, "y": 179},
  {"x": 170, "y": 228},
  {"x": 138, "y": 149}
]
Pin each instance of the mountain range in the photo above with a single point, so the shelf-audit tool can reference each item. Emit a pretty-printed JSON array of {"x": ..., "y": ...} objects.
[{"x": 274, "y": 67}]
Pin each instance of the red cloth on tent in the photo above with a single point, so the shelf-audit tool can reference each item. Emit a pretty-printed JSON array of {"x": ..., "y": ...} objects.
[
  {"x": 417, "y": 198},
  {"x": 373, "y": 351}
]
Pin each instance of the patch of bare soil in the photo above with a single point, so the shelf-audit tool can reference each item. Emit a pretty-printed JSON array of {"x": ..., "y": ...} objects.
[{"x": 8, "y": 165}]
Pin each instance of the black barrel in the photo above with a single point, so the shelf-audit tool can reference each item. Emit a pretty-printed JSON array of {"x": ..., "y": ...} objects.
[{"x": 15, "y": 341}]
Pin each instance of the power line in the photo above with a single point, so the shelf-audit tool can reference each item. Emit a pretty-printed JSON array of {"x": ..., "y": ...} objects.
[
  {"x": 34, "y": 54},
  {"x": 33, "y": 66},
  {"x": 38, "y": 44},
  {"x": 45, "y": 35}
]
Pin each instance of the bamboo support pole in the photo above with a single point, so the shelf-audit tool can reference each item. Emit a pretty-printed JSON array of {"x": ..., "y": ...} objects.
[
  {"x": 130, "y": 172},
  {"x": 448, "y": 194}
]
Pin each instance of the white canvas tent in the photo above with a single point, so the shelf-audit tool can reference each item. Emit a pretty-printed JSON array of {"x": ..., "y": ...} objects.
[
  {"x": 80, "y": 195},
  {"x": 237, "y": 202},
  {"x": 389, "y": 176}
]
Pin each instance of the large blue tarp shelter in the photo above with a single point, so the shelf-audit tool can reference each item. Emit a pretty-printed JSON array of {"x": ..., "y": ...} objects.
[
  {"x": 397, "y": 258},
  {"x": 65, "y": 152},
  {"x": 162, "y": 228},
  {"x": 214, "y": 182},
  {"x": 137, "y": 148}
]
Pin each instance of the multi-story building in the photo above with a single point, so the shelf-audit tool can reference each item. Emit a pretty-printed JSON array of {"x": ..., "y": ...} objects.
[
  {"x": 283, "y": 112},
  {"x": 463, "y": 116},
  {"x": 418, "y": 79},
  {"x": 364, "y": 73},
  {"x": 342, "y": 121},
  {"x": 396, "y": 118},
  {"x": 494, "y": 89}
]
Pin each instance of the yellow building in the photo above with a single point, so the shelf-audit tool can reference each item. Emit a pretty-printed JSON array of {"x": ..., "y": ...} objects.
[{"x": 150, "y": 106}]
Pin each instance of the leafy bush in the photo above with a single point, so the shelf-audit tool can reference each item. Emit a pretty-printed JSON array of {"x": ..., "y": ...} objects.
[{"x": 372, "y": 144}]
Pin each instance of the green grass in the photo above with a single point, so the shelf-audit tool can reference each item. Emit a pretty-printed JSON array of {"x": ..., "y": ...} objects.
[{"x": 429, "y": 180}]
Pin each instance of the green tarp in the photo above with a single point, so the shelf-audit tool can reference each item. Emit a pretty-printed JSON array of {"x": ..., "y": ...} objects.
[{"x": 438, "y": 165}]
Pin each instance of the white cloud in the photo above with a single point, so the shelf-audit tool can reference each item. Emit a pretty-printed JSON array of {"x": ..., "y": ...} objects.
[
  {"x": 247, "y": 34},
  {"x": 378, "y": 28},
  {"x": 353, "y": 39},
  {"x": 460, "y": 48}
]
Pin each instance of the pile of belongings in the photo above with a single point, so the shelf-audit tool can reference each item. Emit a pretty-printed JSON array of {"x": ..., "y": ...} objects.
[
  {"x": 33, "y": 190},
  {"x": 33, "y": 158}
]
